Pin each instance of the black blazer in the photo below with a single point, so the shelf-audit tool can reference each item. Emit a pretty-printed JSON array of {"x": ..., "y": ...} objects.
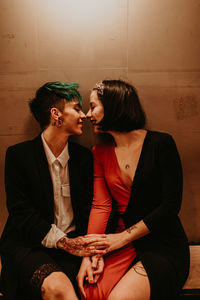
[{"x": 29, "y": 193}]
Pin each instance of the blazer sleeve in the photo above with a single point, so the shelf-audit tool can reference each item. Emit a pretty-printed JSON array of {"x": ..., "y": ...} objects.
[
  {"x": 86, "y": 199},
  {"x": 81, "y": 186},
  {"x": 171, "y": 181},
  {"x": 24, "y": 216}
]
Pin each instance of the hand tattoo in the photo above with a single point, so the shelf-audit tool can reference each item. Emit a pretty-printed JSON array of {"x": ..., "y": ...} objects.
[
  {"x": 73, "y": 245},
  {"x": 131, "y": 228},
  {"x": 79, "y": 246}
]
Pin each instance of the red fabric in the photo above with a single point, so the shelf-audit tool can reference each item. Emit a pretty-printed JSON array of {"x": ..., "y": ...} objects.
[{"x": 108, "y": 184}]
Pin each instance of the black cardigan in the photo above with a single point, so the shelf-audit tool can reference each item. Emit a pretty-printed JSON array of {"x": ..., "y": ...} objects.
[{"x": 156, "y": 199}]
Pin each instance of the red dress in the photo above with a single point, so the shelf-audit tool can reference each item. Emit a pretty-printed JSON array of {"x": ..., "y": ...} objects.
[{"x": 108, "y": 185}]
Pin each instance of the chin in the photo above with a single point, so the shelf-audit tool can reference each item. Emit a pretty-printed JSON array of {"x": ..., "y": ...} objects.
[
  {"x": 80, "y": 132},
  {"x": 96, "y": 130},
  {"x": 76, "y": 132}
]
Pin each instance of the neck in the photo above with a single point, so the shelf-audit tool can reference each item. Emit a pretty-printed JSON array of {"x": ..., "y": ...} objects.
[
  {"x": 55, "y": 139},
  {"x": 127, "y": 139}
]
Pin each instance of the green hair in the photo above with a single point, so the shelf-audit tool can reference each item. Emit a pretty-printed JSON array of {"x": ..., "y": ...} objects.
[
  {"x": 52, "y": 94},
  {"x": 65, "y": 90}
]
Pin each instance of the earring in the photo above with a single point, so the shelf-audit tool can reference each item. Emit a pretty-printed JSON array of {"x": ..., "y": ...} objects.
[{"x": 59, "y": 122}]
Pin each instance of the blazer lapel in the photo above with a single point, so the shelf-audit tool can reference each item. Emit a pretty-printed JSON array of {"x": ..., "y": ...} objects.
[
  {"x": 44, "y": 174},
  {"x": 73, "y": 174}
]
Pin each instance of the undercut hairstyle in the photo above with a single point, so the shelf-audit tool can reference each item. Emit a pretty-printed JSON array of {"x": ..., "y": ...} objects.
[
  {"x": 52, "y": 94},
  {"x": 123, "y": 111}
]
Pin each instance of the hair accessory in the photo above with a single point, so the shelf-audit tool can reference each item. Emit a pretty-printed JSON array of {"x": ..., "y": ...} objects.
[{"x": 99, "y": 86}]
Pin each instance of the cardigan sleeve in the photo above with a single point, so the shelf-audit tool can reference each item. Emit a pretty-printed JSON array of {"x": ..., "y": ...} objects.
[
  {"x": 102, "y": 200},
  {"x": 171, "y": 181}
]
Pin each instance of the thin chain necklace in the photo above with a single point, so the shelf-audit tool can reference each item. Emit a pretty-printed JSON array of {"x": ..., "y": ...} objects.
[{"x": 127, "y": 165}]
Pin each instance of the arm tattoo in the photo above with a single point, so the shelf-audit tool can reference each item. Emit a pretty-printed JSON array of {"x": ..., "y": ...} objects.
[{"x": 131, "y": 228}]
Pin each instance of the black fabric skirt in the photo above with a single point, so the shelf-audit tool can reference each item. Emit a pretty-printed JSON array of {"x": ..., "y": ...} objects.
[{"x": 166, "y": 280}]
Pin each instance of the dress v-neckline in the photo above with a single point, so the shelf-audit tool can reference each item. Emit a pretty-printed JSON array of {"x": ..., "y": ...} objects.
[{"x": 137, "y": 167}]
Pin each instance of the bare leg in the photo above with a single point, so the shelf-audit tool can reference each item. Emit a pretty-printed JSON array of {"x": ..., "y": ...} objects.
[
  {"x": 57, "y": 286},
  {"x": 133, "y": 286}
]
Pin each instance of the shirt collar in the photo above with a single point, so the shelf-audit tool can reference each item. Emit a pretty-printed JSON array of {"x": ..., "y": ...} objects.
[{"x": 62, "y": 158}]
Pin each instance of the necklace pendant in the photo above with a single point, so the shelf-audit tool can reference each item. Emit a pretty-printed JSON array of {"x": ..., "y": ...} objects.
[{"x": 127, "y": 166}]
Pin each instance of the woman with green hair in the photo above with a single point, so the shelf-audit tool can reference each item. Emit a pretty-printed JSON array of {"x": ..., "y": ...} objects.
[{"x": 48, "y": 182}]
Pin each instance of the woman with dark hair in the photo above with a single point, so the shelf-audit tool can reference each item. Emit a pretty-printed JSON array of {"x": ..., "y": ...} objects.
[
  {"x": 138, "y": 182},
  {"x": 48, "y": 183}
]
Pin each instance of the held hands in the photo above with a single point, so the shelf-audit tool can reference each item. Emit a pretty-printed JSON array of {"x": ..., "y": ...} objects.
[
  {"x": 88, "y": 245},
  {"x": 93, "y": 244},
  {"x": 115, "y": 241},
  {"x": 90, "y": 270},
  {"x": 119, "y": 240}
]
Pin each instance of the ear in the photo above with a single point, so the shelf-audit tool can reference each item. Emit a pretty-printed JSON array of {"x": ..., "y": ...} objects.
[{"x": 55, "y": 113}]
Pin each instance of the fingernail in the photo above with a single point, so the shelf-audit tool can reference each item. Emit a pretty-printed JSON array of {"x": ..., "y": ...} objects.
[{"x": 91, "y": 281}]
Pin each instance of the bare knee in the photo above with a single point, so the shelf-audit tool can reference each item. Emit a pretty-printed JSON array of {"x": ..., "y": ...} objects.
[
  {"x": 55, "y": 289},
  {"x": 57, "y": 286}
]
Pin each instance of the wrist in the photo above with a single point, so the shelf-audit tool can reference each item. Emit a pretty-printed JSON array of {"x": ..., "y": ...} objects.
[
  {"x": 62, "y": 242},
  {"x": 86, "y": 258},
  {"x": 126, "y": 237}
]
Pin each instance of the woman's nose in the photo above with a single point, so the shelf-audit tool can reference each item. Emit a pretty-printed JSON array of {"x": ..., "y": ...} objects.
[{"x": 88, "y": 115}]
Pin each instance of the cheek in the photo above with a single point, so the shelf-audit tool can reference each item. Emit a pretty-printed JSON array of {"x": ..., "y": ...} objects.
[
  {"x": 71, "y": 118},
  {"x": 100, "y": 114},
  {"x": 92, "y": 113}
]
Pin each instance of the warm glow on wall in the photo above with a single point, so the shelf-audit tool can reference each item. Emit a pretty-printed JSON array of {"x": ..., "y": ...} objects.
[
  {"x": 96, "y": 14},
  {"x": 88, "y": 28}
]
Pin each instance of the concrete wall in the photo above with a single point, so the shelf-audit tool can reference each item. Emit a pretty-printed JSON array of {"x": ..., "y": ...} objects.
[{"x": 154, "y": 44}]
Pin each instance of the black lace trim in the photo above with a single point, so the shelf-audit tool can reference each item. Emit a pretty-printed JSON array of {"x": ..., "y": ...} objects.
[{"x": 41, "y": 273}]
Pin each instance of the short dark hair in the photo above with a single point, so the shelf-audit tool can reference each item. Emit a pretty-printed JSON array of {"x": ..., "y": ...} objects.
[
  {"x": 52, "y": 94},
  {"x": 123, "y": 111}
]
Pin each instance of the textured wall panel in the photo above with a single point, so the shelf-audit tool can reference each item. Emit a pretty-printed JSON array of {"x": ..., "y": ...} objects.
[
  {"x": 153, "y": 43},
  {"x": 18, "y": 36},
  {"x": 164, "y": 35}
]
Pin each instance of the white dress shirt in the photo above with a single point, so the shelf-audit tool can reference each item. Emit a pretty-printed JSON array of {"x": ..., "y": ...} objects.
[{"x": 63, "y": 212}]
